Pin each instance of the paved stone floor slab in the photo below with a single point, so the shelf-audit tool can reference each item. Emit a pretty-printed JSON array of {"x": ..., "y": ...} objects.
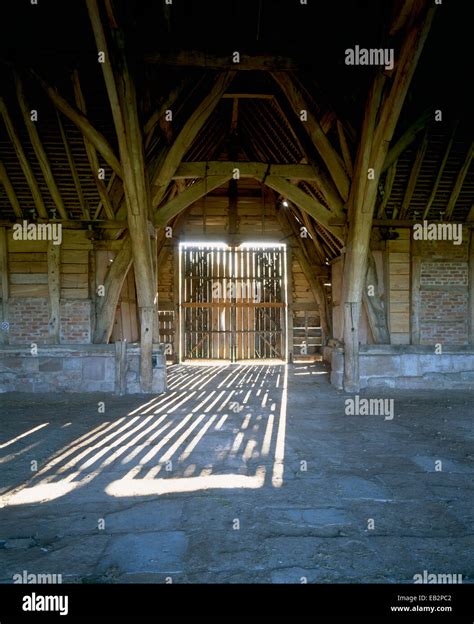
[{"x": 239, "y": 473}]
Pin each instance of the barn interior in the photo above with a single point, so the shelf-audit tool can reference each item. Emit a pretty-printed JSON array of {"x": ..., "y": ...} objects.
[{"x": 206, "y": 201}]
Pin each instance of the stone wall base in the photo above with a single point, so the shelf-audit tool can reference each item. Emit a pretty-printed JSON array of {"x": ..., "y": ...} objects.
[
  {"x": 78, "y": 368},
  {"x": 407, "y": 366}
]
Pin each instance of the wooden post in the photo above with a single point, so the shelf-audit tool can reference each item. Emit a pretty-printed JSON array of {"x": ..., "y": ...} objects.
[
  {"x": 471, "y": 288},
  {"x": 415, "y": 296},
  {"x": 5, "y": 289},
  {"x": 54, "y": 288},
  {"x": 177, "y": 311},
  {"x": 289, "y": 298},
  {"x": 154, "y": 255},
  {"x": 121, "y": 367},
  {"x": 93, "y": 288},
  {"x": 381, "y": 116},
  {"x": 123, "y": 102}
]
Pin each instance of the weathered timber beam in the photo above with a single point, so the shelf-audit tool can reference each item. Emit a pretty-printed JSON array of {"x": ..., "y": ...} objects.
[
  {"x": 80, "y": 224},
  {"x": 319, "y": 295},
  {"x": 24, "y": 162},
  {"x": 406, "y": 139},
  {"x": 91, "y": 151},
  {"x": 73, "y": 168},
  {"x": 165, "y": 105},
  {"x": 324, "y": 182},
  {"x": 248, "y": 96},
  {"x": 385, "y": 108},
  {"x": 346, "y": 154},
  {"x": 387, "y": 191},
  {"x": 202, "y": 60},
  {"x": 95, "y": 137},
  {"x": 39, "y": 149},
  {"x": 123, "y": 101},
  {"x": 10, "y": 191},
  {"x": 246, "y": 170},
  {"x": 409, "y": 56},
  {"x": 324, "y": 235},
  {"x": 331, "y": 158},
  {"x": 113, "y": 283},
  {"x": 374, "y": 305},
  {"x": 402, "y": 10},
  {"x": 407, "y": 223},
  {"x": 470, "y": 216},
  {"x": 310, "y": 205},
  {"x": 460, "y": 181},
  {"x": 439, "y": 175},
  {"x": 108, "y": 189},
  {"x": 172, "y": 156},
  {"x": 54, "y": 290},
  {"x": 412, "y": 180},
  {"x": 192, "y": 193},
  {"x": 314, "y": 238}
]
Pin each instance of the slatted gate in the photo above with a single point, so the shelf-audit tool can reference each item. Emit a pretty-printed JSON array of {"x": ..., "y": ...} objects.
[{"x": 233, "y": 302}]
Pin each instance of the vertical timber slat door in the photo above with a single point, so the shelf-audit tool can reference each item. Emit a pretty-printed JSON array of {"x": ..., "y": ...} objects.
[{"x": 233, "y": 302}]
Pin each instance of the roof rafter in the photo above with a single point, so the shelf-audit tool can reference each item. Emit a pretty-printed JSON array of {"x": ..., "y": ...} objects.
[
  {"x": 440, "y": 170},
  {"x": 327, "y": 152},
  {"x": 10, "y": 191},
  {"x": 38, "y": 148},
  {"x": 78, "y": 118},
  {"x": 460, "y": 181},
  {"x": 172, "y": 156},
  {"x": 24, "y": 162},
  {"x": 91, "y": 152}
]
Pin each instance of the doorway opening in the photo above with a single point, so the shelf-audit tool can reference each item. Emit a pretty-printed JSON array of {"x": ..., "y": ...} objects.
[{"x": 233, "y": 302}]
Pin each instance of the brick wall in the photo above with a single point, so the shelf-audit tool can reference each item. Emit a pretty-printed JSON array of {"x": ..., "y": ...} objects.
[
  {"x": 28, "y": 319},
  {"x": 444, "y": 297},
  {"x": 75, "y": 322}
]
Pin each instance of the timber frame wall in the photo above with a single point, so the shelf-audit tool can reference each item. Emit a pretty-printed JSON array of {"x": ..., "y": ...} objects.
[{"x": 134, "y": 185}]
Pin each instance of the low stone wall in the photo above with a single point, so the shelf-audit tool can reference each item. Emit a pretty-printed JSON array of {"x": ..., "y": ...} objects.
[
  {"x": 407, "y": 366},
  {"x": 78, "y": 368}
]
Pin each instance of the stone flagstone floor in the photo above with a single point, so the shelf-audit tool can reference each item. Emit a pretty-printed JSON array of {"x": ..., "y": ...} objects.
[{"x": 240, "y": 473}]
